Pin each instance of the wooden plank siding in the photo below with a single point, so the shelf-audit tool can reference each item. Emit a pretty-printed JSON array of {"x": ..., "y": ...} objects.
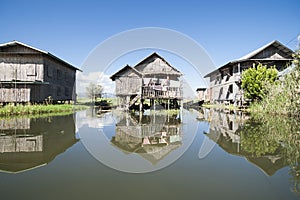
[
  {"x": 61, "y": 81},
  {"x": 225, "y": 82},
  {"x": 28, "y": 67},
  {"x": 28, "y": 74},
  {"x": 128, "y": 85},
  {"x": 152, "y": 78}
]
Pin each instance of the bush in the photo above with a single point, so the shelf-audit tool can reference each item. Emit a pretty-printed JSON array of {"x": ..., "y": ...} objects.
[
  {"x": 255, "y": 81},
  {"x": 283, "y": 98}
]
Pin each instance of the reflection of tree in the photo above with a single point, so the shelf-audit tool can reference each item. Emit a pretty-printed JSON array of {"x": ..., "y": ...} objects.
[
  {"x": 274, "y": 135},
  {"x": 255, "y": 141}
]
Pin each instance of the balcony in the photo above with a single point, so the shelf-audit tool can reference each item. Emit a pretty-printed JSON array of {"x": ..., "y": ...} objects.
[{"x": 162, "y": 92}]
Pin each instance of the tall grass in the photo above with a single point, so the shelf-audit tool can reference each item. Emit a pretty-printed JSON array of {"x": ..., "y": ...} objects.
[
  {"x": 19, "y": 109},
  {"x": 282, "y": 98}
]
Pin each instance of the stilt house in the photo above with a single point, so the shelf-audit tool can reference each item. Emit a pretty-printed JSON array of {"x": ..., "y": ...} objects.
[
  {"x": 152, "y": 79},
  {"x": 225, "y": 82},
  {"x": 28, "y": 74}
]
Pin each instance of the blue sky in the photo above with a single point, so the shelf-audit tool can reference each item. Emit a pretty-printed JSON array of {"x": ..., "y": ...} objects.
[{"x": 225, "y": 29}]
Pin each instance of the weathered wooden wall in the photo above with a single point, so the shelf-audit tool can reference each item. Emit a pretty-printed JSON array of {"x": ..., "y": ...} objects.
[
  {"x": 15, "y": 94},
  {"x": 57, "y": 80},
  {"x": 61, "y": 80},
  {"x": 22, "y": 68},
  {"x": 224, "y": 82},
  {"x": 128, "y": 84},
  {"x": 223, "y": 85},
  {"x": 156, "y": 66}
]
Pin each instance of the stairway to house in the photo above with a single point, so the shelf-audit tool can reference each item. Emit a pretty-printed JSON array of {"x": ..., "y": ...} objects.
[{"x": 132, "y": 101}]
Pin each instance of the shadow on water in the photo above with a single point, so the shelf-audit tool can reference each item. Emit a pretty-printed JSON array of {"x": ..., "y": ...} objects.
[
  {"x": 27, "y": 143},
  {"x": 269, "y": 142}
]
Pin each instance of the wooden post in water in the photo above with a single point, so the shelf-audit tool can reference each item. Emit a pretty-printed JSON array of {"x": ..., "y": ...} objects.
[{"x": 181, "y": 110}]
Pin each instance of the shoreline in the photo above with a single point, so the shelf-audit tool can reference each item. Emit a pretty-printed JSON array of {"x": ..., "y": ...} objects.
[{"x": 11, "y": 110}]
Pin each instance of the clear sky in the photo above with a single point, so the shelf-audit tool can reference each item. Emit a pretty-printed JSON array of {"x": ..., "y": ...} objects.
[{"x": 227, "y": 30}]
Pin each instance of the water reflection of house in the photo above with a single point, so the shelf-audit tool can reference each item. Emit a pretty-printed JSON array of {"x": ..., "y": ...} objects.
[
  {"x": 152, "y": 136},
  {"x": 34, "y": 142},
  {"x": 223, "y": 121},
  {"x": 224, "y": 130}
]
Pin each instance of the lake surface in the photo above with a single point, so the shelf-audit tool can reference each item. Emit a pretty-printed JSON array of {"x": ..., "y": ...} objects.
[{"x": 205, "y": 154}]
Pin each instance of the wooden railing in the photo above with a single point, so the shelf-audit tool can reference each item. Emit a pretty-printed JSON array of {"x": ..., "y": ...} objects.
[{"x": 161, "y": 92}]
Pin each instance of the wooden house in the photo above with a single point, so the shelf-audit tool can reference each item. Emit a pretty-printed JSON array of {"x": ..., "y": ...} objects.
[
  {"x": 153, "y": 79},
  {"x": 28, "y": 74},
  {"x": 225, "y": 82}
]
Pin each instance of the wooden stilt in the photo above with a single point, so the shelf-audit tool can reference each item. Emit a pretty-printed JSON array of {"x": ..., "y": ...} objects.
[
  {"x": 181, "y": 110},
  {"x": 141, "y": 105}
]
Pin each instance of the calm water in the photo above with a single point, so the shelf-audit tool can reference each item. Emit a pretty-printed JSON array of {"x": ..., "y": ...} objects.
[{"x": 224, "y": 156}]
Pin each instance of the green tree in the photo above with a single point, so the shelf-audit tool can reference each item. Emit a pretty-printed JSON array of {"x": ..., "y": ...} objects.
[
  {"x": 283, "y": 98},
  {"x": 94, "y": 91},
  {"x": 256, "y": 79}
]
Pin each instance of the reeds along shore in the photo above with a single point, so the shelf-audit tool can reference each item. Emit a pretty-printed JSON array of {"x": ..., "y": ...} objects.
[{"x": 19, "y": 109}]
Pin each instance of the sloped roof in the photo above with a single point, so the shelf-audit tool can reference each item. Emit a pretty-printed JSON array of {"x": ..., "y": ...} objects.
[
  {"x": 153, "y": 55},
  {"x": 250, "y": 56},
  {"x": 274, "y": 43},
  {"x": 14, "y": 43},
  {"x": 286, "y": 71},
  {"x": 127, "y": 67}
]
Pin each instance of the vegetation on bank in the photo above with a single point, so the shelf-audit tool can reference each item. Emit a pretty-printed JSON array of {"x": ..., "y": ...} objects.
[
  {"x": 283, "y": 96},
  {"x": 255, "y": 81},
  {"x": 95, "y": 102},
  {"x": 270, "y": 96},
  {"x": 37, "y": 109}
]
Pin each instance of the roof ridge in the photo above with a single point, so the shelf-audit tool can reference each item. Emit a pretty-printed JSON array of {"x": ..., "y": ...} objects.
[
  {"x": 159, "y": 56},
  {"x": 15, "y": 42},
  {"x": 253, "y": 53},
  {"x": 23, "y": 44}
]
